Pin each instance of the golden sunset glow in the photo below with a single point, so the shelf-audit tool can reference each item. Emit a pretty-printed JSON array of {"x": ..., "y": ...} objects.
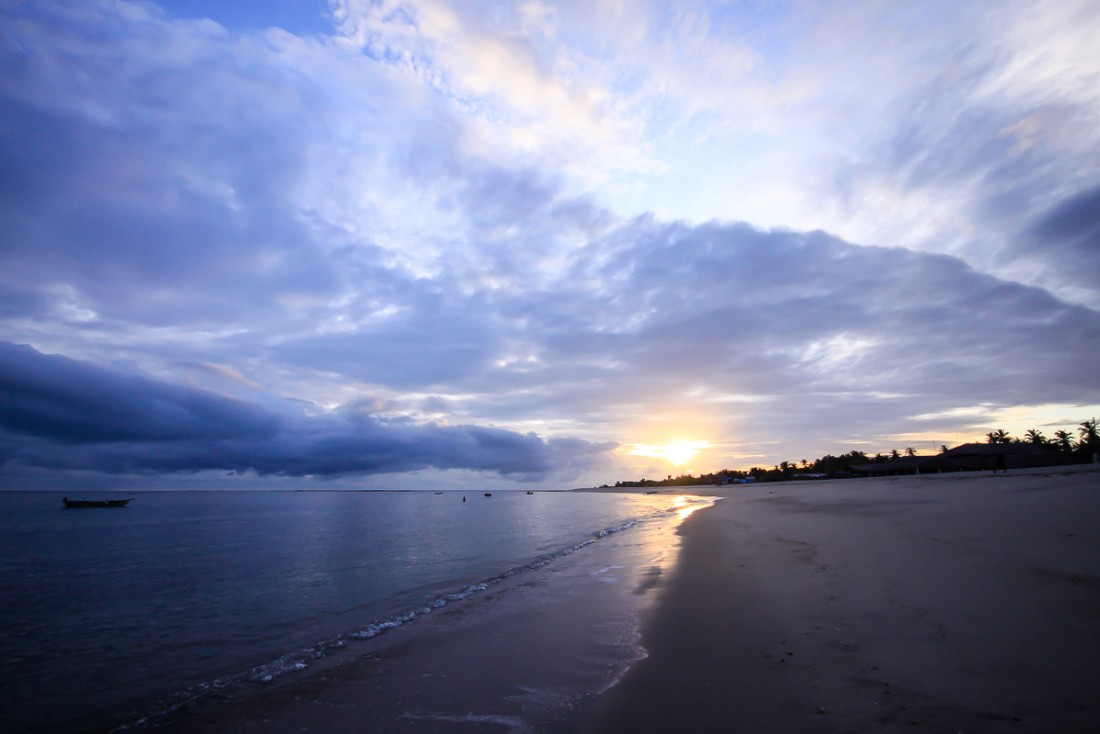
[{"x": 676, "y": 452}]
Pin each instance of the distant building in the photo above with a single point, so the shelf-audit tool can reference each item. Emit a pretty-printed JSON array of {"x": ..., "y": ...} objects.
[
  {"x": 967, "y": 457},
  {"x": 1015, "y": 456}
]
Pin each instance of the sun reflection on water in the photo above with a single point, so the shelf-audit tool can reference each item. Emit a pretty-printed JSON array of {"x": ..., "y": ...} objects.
[{"x": 686, "y": 506}]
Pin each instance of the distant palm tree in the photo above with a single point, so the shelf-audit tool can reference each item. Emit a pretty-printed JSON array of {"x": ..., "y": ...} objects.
[
  {"x": 1036, "y": 437},
  {"x": 998, "y": 436},
  {"x": 943, "y": 448},
  {"x": 1089, "y": 435},
  {"x": 910, "y": 451},
  {"x": 1064, "y": 440}
]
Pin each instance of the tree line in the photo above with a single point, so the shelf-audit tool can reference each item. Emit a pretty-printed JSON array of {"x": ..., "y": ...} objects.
[
  {"x": 1077, "y": 449},
  {"x": 1087, "y": 443}
]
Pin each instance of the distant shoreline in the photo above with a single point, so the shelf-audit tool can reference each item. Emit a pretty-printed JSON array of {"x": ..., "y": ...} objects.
[{"x": 717, "y": 490}]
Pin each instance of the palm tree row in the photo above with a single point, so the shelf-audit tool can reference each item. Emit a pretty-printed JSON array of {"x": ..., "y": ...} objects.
[{"x": 1088, "y": 443}]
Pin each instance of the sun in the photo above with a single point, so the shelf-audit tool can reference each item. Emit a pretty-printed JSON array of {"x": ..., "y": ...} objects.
[{"x": 676, "y": 453}]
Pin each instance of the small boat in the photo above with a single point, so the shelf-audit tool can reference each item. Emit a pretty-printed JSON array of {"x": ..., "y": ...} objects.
[
  {"x": 488, "y": 494},
  {"x": 530, "y": 493},
  {"x": 95, "y": 503}
]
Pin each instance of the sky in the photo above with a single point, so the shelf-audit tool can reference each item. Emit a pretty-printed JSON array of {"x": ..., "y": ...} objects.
[{"x": 412, "y": 244}]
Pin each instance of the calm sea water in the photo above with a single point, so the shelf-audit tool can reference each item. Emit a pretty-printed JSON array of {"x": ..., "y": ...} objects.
[{"x": 113, "y": 613}]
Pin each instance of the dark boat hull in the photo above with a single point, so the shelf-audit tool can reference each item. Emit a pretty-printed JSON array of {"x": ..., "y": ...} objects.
[{"x": 95, "y": 503}]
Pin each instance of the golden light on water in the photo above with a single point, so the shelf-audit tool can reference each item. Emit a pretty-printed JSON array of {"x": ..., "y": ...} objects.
[
  {"x": 685, "y": 506},
  {"x": 675, "y": 452}
]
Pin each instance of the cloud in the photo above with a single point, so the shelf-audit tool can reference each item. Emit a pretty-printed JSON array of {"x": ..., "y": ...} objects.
[
  {"x": 62, "y": 414},
  {"x": 521, "y": 78},
  {"x": 1063, "y": 243},
  {"x": 954, "y": 127},
  {"x": 729, "y": 306},
  {"x": 68, "y": 402},
  {"x": 155, "y": 152}
]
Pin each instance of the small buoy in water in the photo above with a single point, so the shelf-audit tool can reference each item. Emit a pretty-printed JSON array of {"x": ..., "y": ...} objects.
[{"x": 463, "y": 498}]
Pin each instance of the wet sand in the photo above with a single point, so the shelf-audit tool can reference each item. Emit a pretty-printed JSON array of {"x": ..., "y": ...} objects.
[{"x": 950, "y": 603}]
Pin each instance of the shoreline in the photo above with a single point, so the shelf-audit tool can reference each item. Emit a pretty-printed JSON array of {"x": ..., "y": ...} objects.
[
  {"x": 956, "y": 602},
  {"x": 524, "y": 654}
]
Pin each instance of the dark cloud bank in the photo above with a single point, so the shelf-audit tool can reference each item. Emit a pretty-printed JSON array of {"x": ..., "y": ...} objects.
[{"x": 59, "y": 413}]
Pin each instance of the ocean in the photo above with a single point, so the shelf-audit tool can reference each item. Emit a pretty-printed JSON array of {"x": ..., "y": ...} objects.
[{"x": 120, "y": 617}]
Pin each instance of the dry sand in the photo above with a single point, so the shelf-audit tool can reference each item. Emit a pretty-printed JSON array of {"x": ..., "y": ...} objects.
[{"x": 953, "y": 603}]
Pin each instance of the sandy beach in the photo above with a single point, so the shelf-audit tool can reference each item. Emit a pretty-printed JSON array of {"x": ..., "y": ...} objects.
[{"x": 953, "y": 603}]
